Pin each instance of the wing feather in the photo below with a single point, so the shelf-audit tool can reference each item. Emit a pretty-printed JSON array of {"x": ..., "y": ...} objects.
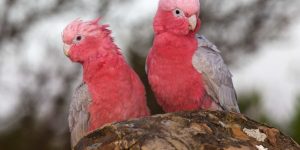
[
  {"x": 78, "y": 113},
  {"x": 208, "y": 61}
]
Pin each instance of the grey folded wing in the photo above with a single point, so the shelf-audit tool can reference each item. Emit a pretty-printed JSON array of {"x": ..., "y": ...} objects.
[
  {"x": 78, "y": 113},
  {"x": 208, "y": 61}
]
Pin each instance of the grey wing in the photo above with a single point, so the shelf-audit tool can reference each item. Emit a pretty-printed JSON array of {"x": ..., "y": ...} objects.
[
  {"x": 78, "y": 113},
  {"x": 217, "y": 78}
]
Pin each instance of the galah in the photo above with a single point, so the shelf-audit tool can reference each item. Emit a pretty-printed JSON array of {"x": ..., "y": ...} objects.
[
  {"x": 111, "y": 90},
  {"x": 185, "y": 70}
]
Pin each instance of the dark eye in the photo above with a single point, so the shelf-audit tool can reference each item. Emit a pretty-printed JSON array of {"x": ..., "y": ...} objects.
[
  {"x": 178, "y": 13},
  {"x": 78, "y": 38}
]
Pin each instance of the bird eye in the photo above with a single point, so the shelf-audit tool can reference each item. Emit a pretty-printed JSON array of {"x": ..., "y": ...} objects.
[
  {"x": 77, "y": 39},
  {"x": 178, "y": 13}
]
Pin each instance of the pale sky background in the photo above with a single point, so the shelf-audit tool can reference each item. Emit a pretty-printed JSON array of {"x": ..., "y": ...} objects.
[{"x": 274, "y": 69}]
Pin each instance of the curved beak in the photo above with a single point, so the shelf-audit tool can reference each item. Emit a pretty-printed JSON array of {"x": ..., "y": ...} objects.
[
  {"x": 66, "y": 49},
  {"x": 192, "y": 22}
]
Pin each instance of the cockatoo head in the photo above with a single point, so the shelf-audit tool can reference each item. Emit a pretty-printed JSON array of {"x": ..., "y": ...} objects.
[
  {"x": 177, "y": 16},
  {"x": 82, "y": 39}
]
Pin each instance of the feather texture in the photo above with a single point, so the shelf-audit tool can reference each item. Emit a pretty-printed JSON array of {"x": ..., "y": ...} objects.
[
  {"x": 78, "y": 113},
  {"x": 217, "y": 78}
]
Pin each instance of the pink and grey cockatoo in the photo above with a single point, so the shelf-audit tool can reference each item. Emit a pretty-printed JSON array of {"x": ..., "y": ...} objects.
[
  {"x": 111, "y": 90},
  {"x": 185, "y": 70}
]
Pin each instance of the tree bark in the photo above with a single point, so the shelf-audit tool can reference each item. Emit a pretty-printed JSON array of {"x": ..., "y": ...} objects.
[{"x": 203, "y": 130}]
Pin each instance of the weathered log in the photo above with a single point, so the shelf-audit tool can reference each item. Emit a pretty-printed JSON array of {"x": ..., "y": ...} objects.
[{"x": 188, "y": 131}]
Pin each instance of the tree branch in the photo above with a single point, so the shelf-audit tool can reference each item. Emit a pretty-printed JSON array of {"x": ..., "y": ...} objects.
[{"x": 188, "y": 131}]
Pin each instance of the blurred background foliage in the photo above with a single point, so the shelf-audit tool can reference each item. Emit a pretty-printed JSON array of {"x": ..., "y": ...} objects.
[
  {"x": 295, "y": 124},
  {"x": 39, "y": 80}
]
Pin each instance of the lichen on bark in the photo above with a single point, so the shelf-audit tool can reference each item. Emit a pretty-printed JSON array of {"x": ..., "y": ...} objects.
[{"x": 188, "y": 131}]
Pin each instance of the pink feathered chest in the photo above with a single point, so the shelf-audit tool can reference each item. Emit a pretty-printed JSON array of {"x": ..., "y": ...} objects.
[{"x": 176, "y": 83}]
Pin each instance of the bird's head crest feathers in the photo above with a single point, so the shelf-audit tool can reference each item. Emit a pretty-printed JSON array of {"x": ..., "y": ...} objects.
[
  {"x": 189, "y": 6},
  {"x": 88, "y": 28}
]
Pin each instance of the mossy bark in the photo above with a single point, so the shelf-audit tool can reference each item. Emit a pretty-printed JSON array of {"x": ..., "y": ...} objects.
[{"x": 188, "y": 131}]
